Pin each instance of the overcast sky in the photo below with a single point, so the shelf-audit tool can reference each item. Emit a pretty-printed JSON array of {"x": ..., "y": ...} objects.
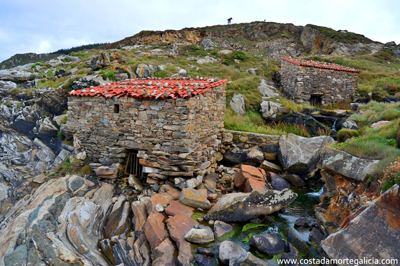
[{"x": 43, "y": 26}]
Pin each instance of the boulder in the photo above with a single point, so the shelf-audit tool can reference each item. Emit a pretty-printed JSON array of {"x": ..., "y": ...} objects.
[
  {"x": 350, "y": 125},
  {"x": 201, "y": 235},
  {"x": 107, "y": 172},
  {"x": 226, "y": 52},
  {"x": 231, "y": 253},
  {"x": 299, "y": 155},
  {"x": 277, "y": 182},
  {"x": 228, "y": 251},
  {"x": 252, "y": 71},
  {"x": 267, "y": 91},
  {"x": 206, "y": 60},
  {"x": 269, "y": 110},
  {"x": 48, "y": 128},
  {"x": 100, "y": 61},
  {"x": 380, "y": 124},
  {"x": 221, "y": 228},
  {"x": 269, "y": 244},
  {"x": 373, "y": 233},
  {"x": 340, "y": 162},
  {"x": 253, "y": 156},
  {"x": 194, "y": 198},
  {"x": 315, "y": 235},
  {"x": 294, "y": 179},
  {"x": 204, "y": 260},
  {"x": 237, "y": 104},
  {"x": 145, "y": 71},
  {"x": 250, "y": 178},
  {"x": 241, "y": 207},
  {"x": 268, "y": 166}
]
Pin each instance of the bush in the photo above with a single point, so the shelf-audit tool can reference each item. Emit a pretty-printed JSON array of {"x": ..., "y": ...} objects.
[
  {"x": 64, "y": 120},
  {"x": 391, "y": 175},
  {"x": 110, "y": 75},
  {"x": 345, "y": 134}
]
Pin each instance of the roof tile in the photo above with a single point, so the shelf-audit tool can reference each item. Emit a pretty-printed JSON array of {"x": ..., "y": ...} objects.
[
  {"x": 316, "y": 64},
  {"x": 151, "y": 88}
]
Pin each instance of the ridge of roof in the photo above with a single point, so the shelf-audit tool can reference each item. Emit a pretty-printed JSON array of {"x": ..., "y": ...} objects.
[
  {"x": 151, "y": 88},
  {"x": 316, "y": 64}
]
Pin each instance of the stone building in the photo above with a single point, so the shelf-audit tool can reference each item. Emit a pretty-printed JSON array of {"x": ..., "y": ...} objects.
[
  {"x": 156, "y": 127},
  {"x": 317, "y": 82}
]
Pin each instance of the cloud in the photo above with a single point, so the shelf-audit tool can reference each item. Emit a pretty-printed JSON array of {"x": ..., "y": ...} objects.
[{"x": 46, "y": 26}]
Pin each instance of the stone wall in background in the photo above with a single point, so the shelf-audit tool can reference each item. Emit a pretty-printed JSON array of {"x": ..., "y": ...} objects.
[
  {"x": 173, "y": 137},
  {"x": 299, "y": 83}
]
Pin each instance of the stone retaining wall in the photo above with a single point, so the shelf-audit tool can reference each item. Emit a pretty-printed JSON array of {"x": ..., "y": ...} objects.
[
  {"x": 269, "y": 144},
  {"x": 173, "y": 137},
  {"x": 299, "y": 83}
]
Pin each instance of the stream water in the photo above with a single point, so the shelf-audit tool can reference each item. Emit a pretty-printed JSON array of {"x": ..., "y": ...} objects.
[{"x": 278, "y": 223}]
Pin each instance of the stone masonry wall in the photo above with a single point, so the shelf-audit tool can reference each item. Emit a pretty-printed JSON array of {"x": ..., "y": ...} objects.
[
  {"x": 299, "y": 83},
  {"x": 174, "y": 137}
]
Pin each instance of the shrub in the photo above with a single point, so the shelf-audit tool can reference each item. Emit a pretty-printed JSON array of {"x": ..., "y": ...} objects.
[
  {"x": 64, "y": 120},
  {"x": 110, "y": 75},
  {"x": 345, "y": 134},
  {"x": 59, "y": 135},
  {"x": 391, "y": 175},
  {"x": 67, "y": 59}
]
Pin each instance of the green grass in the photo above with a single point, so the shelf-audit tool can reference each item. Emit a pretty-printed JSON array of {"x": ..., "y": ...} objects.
[
  {"x": 375, "y": 111},
  {"x": 250, "y": 122}
]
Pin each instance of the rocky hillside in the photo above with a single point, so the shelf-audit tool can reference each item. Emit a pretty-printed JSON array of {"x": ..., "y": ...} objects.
[
  {"x": 273, "y": 39},
  {"x": 311, "y": 194}
]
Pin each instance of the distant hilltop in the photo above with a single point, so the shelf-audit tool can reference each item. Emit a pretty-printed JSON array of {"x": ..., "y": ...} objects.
[{"x": 22, "y": 59}]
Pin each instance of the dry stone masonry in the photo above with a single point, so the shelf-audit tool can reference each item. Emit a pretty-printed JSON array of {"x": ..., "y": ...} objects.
[
  {"x": 317, "y": 82},
  {"x": 173, "y": 125}
]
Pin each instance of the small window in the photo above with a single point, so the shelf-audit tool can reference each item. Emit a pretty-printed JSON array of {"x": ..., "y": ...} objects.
[
  {"x": 315, "y": 100},
  {"x": 116, "y": 108}
]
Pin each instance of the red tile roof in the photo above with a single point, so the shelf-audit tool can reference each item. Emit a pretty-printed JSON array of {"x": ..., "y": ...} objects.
[
  {"x": 310, "y": 63},
  {"x": 151, "y": 88}
]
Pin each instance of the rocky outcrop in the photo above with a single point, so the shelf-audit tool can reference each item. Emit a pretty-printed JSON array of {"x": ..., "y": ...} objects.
[
  {"x": 276, "y": 39},
  {"x": 362, "y": 237},
  {"x": 61, "y": 223},
  {"x": 241, "y": 207},
  {"x": 299, "y": 155}
]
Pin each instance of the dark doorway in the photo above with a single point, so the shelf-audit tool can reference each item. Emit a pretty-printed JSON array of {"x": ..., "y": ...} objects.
[
  {"x": 315, "y": 100},
  {"x": 133, "y": 167}
]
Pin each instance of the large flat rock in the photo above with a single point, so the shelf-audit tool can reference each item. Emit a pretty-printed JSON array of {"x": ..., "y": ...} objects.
[
  {"x": 340, "y": 162},
  {"x": 241, "y": 207}
]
